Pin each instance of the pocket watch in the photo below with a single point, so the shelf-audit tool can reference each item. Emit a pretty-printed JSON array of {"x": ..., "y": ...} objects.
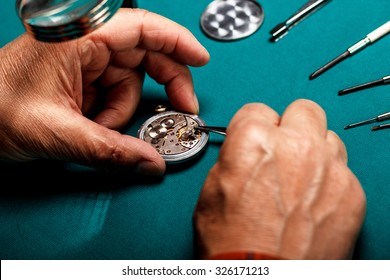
[{"x": 174, "y": 135}]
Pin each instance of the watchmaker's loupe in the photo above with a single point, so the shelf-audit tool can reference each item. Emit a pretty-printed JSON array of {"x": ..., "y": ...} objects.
[{"x": 63, "y": 20}]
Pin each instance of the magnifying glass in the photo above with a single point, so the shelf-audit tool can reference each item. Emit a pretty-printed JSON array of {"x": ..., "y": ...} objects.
[{"x": 63, "y": 20}]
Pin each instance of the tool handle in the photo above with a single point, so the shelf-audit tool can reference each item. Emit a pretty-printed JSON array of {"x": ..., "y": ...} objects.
[
  {"x": 379, "y": 32},
  {"x": 306, "y": 10}
]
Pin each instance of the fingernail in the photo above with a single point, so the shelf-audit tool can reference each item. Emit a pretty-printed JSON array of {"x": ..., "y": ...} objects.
[
  {"x": 196, "y": 103},
  {"x": 149, "y": 168}
]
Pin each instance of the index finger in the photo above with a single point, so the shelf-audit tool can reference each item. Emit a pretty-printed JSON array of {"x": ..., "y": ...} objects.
[
  {"x": 247, "y": 135},
  {"x": 305, "y": 116},
  {"x": 131, "y": 28}
]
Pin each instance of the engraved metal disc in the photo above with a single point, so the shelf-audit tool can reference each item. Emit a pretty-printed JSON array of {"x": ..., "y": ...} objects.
[
  {"x": 174, "y": 136},
  {"x": 232, "y": 19}
]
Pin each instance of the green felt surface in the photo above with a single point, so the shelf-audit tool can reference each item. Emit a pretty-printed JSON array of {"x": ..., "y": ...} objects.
[{"x": 96, "y": 216}]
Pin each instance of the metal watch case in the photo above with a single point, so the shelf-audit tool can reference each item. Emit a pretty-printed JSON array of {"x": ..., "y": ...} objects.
[{"x": 174, "y": 136}]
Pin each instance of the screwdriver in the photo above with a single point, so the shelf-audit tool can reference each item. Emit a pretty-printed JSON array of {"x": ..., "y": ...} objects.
[
  {"x": 280, "y": 30},
  {"x": 369, "y": 39},
  {"x": 378, "y": 118},
  {"x": 382, "y": 81},
  {"x": 216, "y": 129},
  {"x": 379, "y": 127}
]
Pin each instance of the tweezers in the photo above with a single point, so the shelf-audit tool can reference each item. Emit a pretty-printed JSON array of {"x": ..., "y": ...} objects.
[
  {"x": 215, "y": 129},
  {"x": 282, "y": 29}
]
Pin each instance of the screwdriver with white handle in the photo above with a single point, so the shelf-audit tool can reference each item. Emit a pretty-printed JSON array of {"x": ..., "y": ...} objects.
[{"x": 368, "y": 40}]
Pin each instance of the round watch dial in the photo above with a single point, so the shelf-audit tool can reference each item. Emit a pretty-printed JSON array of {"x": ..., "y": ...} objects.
[{"x": 174, "y": 136}]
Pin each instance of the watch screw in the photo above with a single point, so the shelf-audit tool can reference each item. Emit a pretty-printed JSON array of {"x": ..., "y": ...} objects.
[{"x": 160, "y": 108}]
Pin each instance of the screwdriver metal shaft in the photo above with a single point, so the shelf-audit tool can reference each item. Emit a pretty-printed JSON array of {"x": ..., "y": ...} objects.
[
  {"x": 382, "y": 81},
  {"x": 369, "y": 39},
  {"x": 378, "y": 118},
  {"x": 215, "y": 129},
  {"x": 379, "y": 127},
  {"x": 330, "y": 64}
]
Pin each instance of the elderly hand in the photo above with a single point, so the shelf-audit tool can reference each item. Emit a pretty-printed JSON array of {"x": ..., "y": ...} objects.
[
  {"x": 284, "y": 189},
  {"x": 67, "y": 101}
]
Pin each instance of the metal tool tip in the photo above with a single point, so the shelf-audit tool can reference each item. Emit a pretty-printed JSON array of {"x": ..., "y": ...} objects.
[
  {"x": 361, "y": 87},
  {"x": 379, "y": 127},
  {"x": 342, "y": 92},
  {"x": 330, "y": 64},
  {"x": 312, "y": 76},
  {"x": 319, "y": 72}
]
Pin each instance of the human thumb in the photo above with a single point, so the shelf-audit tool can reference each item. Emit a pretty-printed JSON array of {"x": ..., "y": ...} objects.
[{"x": 85, "y": 142}]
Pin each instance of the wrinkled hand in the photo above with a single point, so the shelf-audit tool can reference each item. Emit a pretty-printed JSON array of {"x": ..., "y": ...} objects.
[
  {"x": 66, "y": 101},
  {"x": 283, "y": 189}
]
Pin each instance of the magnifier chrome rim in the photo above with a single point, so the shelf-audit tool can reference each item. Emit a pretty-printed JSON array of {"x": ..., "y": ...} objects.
[{"x": 82, "y": 25}]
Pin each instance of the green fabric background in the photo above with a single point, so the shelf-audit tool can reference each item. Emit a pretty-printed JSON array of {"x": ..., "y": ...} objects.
[{"x": 81, "y": 214}]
